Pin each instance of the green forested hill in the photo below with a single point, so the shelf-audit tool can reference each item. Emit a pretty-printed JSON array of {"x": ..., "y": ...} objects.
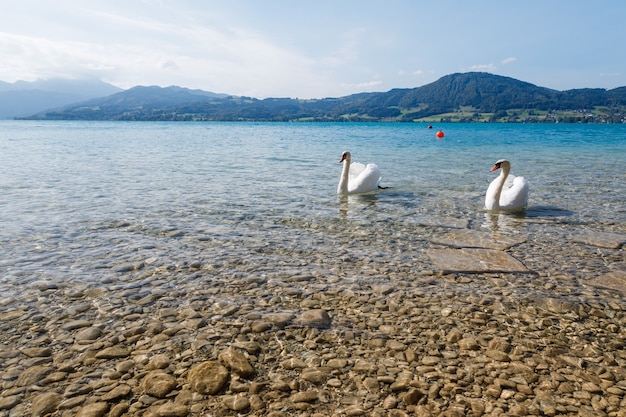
[{"x": 457, "y": 97}]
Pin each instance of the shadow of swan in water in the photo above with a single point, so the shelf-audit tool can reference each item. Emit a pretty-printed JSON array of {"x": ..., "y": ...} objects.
[
  {"x": 388, "y": 195},
  {"x": 516, "y": 220},
  {"x": 547, "y": 211}
]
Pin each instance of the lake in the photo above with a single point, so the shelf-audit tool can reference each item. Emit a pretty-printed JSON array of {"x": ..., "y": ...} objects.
[{"x": 83, "y": 202}]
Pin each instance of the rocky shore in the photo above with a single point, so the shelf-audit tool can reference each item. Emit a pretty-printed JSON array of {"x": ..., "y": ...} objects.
[{"x": 519, "y": 332}]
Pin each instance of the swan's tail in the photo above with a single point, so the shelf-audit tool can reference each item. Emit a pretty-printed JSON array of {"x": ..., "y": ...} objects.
[{"x": 380, "y": 186}]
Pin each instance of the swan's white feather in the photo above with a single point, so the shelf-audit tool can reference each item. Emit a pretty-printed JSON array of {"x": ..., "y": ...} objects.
[
  {"x": 366, "y": 178},
  {"x": 356, "y": 168},
  {"x": 357, "y": 177},
  {"x": 516, "y": 196},
  {"x": 506, "y": 192}
]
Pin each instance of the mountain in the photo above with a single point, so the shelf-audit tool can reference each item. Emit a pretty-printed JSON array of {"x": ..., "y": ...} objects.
[
  {"x": 24, "y": 98},
  {"x": 464, "y": 97},
  {"x": 137, "y": 102}
]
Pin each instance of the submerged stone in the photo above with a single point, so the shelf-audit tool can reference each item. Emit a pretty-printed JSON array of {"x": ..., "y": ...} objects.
[
  {"x": 600, "y": 239},
  {"x": 474, "y": 239},
  {"x": 615, "y": 280},
  {"x": 474, "y": 261},
  {"x": 436, "y": 221}
]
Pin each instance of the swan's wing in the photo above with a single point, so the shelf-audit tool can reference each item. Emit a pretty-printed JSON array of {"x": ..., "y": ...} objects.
[
  {"x": 356, "y": 168},
  {"x": 366, "y": 181},
  {"x": 515, "y": 197}
]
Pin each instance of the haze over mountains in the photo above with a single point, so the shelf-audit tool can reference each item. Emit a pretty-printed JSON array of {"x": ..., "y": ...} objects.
[
  {"x": 457, "y": 97},
  {"x": 23, "y": 98}
]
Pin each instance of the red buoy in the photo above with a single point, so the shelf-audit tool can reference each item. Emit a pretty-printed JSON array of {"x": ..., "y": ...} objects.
[{"x": 440, "y": 134}]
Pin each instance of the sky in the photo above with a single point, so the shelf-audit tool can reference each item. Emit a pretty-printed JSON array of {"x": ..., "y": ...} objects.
[{"x": 313, "y": 48}]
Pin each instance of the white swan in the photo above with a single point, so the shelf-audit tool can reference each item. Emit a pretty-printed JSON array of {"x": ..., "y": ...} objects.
[
  {"x": 513, "y": 197},
  {"x": 356, "y": 177}
]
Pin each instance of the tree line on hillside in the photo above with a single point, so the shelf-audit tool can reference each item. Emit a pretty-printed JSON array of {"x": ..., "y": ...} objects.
[{"x": 479, "y": 93}]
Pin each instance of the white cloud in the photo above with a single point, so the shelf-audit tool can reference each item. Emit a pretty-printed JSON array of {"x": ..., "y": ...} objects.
[
  {"x": 483, "y": 68},
  {"x": 269, "y": 50},
  {"x": 234, "y": 61},
  {"x": 366, "y": 84},
  {"x": 29, "y": 58},
  {"x": 170, "y": 65},
  {"x": 369, "y": 84}
]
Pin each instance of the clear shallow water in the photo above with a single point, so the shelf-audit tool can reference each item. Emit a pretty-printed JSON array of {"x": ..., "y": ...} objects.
[{"x": 81, "y": 201}]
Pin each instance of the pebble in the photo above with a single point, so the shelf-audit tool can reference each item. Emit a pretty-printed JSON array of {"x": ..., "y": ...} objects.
[
  {"x": 208, "y": 377},
  {"x": 171, "y": 409},
  {"x": 237, "y": 362},
  {"x": 236, "y": 402},
  {"x": 89, "y": 334},
  {"x": 158, "y": 383},
  {"x": 113, "y": 352},
  {"x": 96, "y": 409},
  {"x": 45, "y": 403}
]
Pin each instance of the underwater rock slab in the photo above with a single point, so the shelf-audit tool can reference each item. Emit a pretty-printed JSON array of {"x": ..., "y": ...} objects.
[
  {"x": 600, "y": 239},
  {"x": 474, "y": 239},
  {"x": 615, "y": 280},
  {"x": 474, "y": 261},
  {"x": 447, "y": 222}
]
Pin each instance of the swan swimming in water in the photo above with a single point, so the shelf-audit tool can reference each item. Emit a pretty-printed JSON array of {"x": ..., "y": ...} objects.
[
  {"x": 513, "y": 197},
  {"x": 356, "y": 177}
]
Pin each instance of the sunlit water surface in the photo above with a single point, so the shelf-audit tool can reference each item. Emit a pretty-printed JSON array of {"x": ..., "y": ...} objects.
[{"x": 80, "y": 200}]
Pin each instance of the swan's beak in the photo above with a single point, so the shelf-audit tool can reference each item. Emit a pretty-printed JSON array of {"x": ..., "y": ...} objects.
[
  {"x": 494, "y": 168},
  {"x": 342, "y": 159}
]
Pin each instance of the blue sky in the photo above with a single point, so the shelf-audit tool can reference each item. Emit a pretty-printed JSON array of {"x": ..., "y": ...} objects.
[{"x": 314, "y": 48}]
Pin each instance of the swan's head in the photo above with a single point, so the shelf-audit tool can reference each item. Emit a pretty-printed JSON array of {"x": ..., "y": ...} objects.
[
  {"x": 502, "y": 163},
  {"x": 345, "y": 156}
]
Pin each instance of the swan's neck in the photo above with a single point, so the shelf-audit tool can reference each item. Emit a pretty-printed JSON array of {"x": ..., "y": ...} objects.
[
  {"x": 343, "y": 180},
  {"x": 499, "y": 185},
  {"x": 504, "y": 173}
]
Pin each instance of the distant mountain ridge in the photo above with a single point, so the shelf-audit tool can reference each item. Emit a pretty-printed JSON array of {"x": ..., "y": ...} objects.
[
  {"x": 24, "y": 98},
  {"x": 152, "y": 97},
  {"x": 468, "y": 97}
]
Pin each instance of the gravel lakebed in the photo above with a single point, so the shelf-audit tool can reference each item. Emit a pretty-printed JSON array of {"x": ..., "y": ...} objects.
[{"x": 282, "y": 328}]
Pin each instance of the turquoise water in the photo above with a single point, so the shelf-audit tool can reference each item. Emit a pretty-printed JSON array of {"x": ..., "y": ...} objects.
[{"x": 79, "y": 199}]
